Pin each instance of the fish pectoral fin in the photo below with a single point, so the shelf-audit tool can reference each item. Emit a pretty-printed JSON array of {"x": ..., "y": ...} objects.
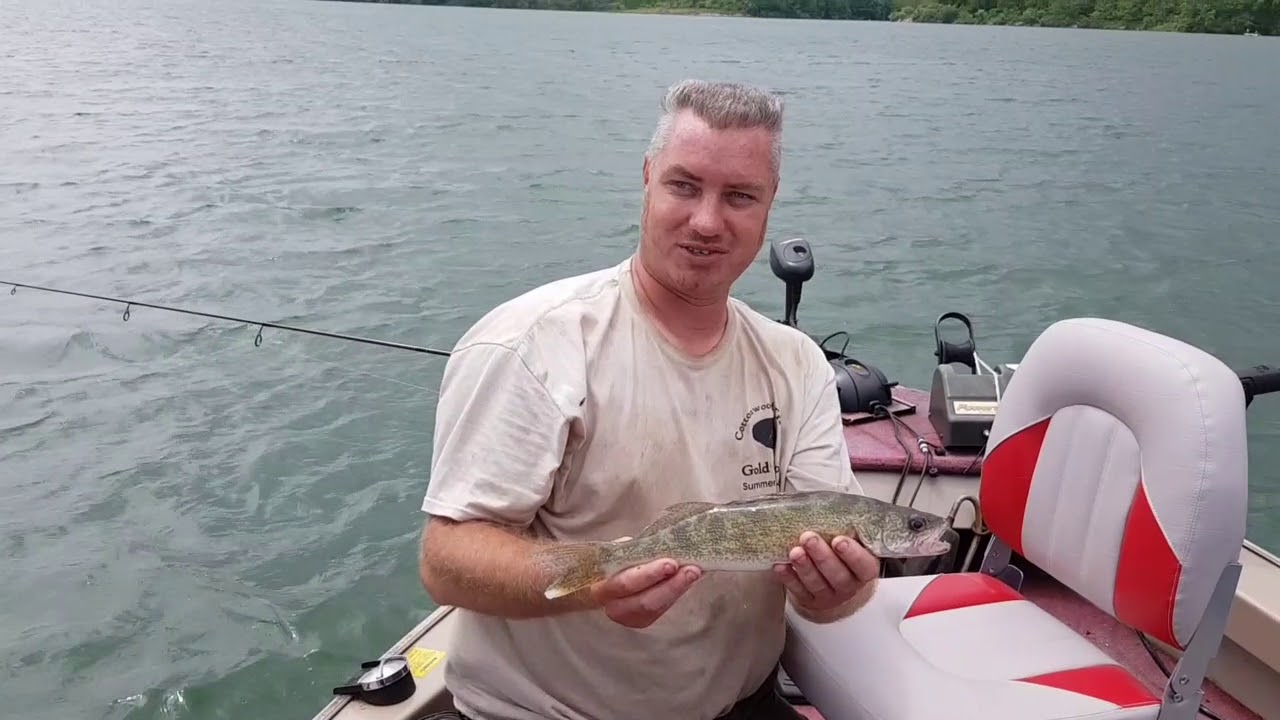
[{"x": 674, "y": 514}]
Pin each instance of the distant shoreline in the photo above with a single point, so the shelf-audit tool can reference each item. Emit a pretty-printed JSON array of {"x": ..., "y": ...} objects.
[
  {"x": 696, "y": 12},
  {"x": 1211, "y": 17}
]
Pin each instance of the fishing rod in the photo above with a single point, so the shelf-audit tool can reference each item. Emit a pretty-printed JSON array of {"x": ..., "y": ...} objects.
[{"x": 257, "y": 340}]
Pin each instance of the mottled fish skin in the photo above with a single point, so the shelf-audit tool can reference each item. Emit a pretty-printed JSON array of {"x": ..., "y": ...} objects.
[{"x": 749, "y": 535}]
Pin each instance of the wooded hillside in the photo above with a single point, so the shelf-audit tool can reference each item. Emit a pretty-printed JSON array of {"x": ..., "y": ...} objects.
[{"x": 1203, "y": 16}]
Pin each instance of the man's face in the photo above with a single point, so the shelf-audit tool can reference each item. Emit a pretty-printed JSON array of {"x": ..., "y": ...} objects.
[{"x": 706, "y": 207}]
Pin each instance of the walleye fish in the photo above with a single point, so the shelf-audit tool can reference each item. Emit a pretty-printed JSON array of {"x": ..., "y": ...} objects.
[{"x": 748, "y": 535}]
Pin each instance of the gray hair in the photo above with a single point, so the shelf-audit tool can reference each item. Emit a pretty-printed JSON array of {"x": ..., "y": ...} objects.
[{"x": 721, "y": 105}]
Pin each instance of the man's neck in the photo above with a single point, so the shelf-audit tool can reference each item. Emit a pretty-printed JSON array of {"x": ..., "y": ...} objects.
[{"x": 695, "y": 326}]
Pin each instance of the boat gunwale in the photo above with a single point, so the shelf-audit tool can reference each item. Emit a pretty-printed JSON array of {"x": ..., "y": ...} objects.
[
  {"x": 1254, "y": 622},
  {"x": 1262, "y": 552},
  {"x": 401, "y": 646}
]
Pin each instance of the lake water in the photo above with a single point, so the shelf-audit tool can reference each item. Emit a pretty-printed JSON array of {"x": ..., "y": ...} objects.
[{"x": 195, "y": 527}]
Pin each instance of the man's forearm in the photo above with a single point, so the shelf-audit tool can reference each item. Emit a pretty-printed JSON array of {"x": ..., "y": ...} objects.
[
  {"x": 842, "y": 611},
  {"x": 488, "y": 569}
]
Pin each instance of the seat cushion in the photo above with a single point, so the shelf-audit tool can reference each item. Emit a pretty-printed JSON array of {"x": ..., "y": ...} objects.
[{"x": 957, "y": 647}]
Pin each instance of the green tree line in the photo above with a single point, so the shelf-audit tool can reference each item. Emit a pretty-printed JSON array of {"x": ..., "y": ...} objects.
[
  {"x": 1237, "y": 17},
  {"x": 824, "y": 9},
  {"x": 1198, "y": 16}
]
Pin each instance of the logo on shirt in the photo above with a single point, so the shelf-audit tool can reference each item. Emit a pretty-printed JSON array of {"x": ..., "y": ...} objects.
[
  {"x": 760, "y": 423},
  {"x": 764, "y": 430}
]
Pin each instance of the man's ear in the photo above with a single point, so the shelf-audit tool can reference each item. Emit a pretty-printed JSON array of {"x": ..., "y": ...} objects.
[{"x": 644, "y": 171}]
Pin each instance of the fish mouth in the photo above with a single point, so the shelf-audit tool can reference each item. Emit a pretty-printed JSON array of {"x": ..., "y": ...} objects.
[
  {"x": 934, "y": 544},
  {"x": 933, "y": 547},
  {"x": 924, "y": 547},
  {"x": 928, "y": 548}
]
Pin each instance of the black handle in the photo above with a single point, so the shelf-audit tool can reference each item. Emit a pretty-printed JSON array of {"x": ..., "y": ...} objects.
[{"x": 1259, "y": 380}]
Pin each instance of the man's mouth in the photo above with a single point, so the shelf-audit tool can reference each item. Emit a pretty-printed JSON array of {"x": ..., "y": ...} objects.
[{"x": 701, "y": 251}]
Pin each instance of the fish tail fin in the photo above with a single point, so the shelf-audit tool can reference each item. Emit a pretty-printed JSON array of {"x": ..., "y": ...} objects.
[{"x": 573, "y": 566}]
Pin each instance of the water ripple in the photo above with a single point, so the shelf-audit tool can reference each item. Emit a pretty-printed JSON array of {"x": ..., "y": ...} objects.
[{"x": 208, "y": 526}]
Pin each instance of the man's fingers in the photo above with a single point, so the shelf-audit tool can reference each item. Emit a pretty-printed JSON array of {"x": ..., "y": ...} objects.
[
  {"x": 643, "y": 608},
  {"x": 831, "y": 566},
  {"x": 808, "y": 573},
  {"x": 864, "y": 565},
  {"x": 655, "y": 600},
  {"x": 787, "y": 576},
  {"x": 634, "y": 579}
]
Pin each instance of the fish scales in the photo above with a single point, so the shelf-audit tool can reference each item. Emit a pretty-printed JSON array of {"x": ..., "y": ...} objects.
[
  {"x": 748, "y": 535},
  {"x": 755, "y": 535}
]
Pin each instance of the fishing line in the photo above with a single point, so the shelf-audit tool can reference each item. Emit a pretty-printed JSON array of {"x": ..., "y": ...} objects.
[
  {"x": 280, "y": 344},
  {"x": 257, "y": 340}
]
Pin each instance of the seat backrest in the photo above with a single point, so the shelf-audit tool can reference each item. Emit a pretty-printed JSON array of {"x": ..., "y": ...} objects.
[{"x": 1117, "y": 463}]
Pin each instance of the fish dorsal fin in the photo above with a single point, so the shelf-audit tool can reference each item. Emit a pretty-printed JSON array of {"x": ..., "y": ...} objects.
[
  {"x": 674, "y": 514},
  {"x": 760, "y": 499}
]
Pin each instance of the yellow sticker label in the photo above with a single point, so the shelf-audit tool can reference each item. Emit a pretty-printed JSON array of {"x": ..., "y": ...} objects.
[{"x": 423, "y": 661}]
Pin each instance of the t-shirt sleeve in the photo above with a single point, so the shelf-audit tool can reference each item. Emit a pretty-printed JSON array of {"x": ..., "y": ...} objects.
[
  {"x": 821, "y": 458},
  {"x": 499, "y": 439}
]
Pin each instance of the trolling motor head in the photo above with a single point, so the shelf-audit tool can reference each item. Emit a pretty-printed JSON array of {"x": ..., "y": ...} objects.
[
  {"x": 792, "y": 262},
  {"x": 861, "y": 387}
]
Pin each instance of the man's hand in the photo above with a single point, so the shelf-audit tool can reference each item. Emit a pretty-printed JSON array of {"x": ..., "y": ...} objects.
[
  {"x": 638, "y": 596},
  {"x": 824, "y": 581}
]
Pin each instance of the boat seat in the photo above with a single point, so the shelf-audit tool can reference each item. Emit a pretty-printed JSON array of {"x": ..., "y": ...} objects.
[{"x": 1117, "y": 464}]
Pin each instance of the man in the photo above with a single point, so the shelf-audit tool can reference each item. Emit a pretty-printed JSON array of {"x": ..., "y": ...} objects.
[{"x": 582, "y": 408}]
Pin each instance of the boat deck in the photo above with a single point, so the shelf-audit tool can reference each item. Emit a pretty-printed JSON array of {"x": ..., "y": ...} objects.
[{"x": 876, "y": 445}]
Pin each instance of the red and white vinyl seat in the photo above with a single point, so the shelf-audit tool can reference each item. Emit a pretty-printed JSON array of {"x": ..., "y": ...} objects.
[{"x": 1117, "y": 463}]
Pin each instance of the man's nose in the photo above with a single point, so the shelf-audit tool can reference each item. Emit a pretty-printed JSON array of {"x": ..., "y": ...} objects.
[{"x": 708, "y": 216}]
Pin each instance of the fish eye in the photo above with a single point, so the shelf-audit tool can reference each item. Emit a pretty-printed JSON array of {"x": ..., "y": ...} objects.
[{"x": 916, "y": 523}]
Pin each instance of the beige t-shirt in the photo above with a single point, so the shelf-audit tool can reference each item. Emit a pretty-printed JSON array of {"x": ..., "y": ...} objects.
[{"x": 566, "y": 409}]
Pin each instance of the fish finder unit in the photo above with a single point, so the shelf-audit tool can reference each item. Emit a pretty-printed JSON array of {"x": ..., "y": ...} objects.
[{"x": 965, "y": 392}]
